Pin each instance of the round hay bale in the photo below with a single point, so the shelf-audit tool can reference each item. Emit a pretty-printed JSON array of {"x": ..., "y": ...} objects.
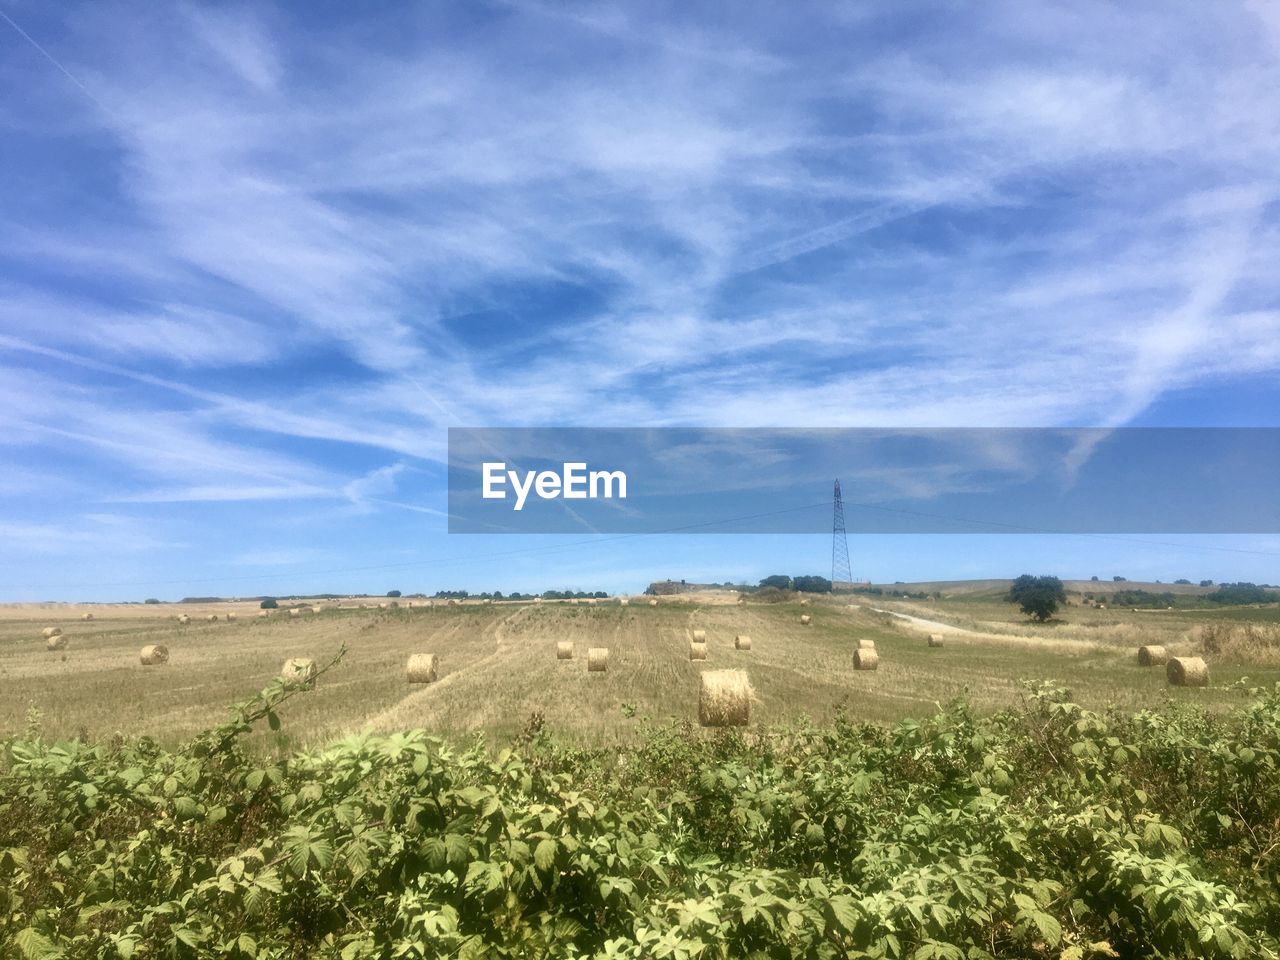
[
  {"x": 212, "y": 618},
  {"x": 564, "y": 650},
  {"x": 699, "y": 636},
  {"x": 263, "y": 613},
  {"x": 55, "y": 641},
  {"x": 184, "y": 619},
  {"x": 295, "y": 612},
  {"x": 866, "y": 644},
  {"x": 623, "y": 601},
  {"x": 423, "y": 668},
  {"x": 86, "y": 616},
  {"x": 865, "y": 660},
  {"x": 488, "y": 600},
  {"x": 317, "y": 607},
  {"x": 804, "y": 602},
  {"x": 805, "y": 619},
  {"x": 231, "y": 617},
  {"x": 537, "y": 599},
  {"x": 299, "y": 672},
  {"x": 653, "y": 603},
  {"x": 48, "y": 632},
  {"x": 935, "y": 639},
  {"x": 742, "y": 642},
  {"x": 597, "y": 659},
  {"x": 697, "y": 651},
  {"x": 592, "y": 602},
  {"x": 453, "y": 603},
  {"x": 154, "y": 654},
  {"x": 1187, "y": 672},
  {"x": 725, "y": 699},
  {"x": 1152, "y": 655},
  {"x": 383, "y": 605}
]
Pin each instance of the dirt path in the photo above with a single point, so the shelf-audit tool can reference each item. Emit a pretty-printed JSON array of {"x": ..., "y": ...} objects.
[{"x": 962, "y": 633}]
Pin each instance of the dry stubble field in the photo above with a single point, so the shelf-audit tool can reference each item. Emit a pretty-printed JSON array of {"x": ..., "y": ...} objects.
[{"x": 498, "y": 665}]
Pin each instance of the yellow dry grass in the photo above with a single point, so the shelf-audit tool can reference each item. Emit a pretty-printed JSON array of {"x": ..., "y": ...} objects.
[{"x": 501, "y": 669}]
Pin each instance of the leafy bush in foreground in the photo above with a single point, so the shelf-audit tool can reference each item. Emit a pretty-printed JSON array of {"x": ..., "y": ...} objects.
[{"x": 1048, "y": 831}]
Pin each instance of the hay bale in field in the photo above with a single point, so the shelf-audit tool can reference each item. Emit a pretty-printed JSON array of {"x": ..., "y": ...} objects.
[
  {"x": 184, "y": 619},
  {"x": 935, "y": 639},
  {"x": 154, "y": 654},
  {"x": 317, "y": 607},
  {"x": 488, "y": 600},
  {"x": 653, "y": 603},
  {"x": 453, "y": 603},
  {"x": 48, "y": 632},
  {"x": 299, "y": 672},
  {"x": 383, "y": 605},
  {"x": 295, "y": 612},
  {"x": 865, "y": 660},
  {"x": 699, "y": 636},
  {"x": 697, "y": 651},
  {"x": 1187, "y": 672},
  {"x": 623, "y": 601},
  {"x": 212, "y": 617},
  {"x": 866, "y": 644},
  {"x": 263, "y": 613},
  {"x": 564, "y": 650},
  {"x": 537, "y": 599},
  {"x": 1152, "y": 655},
  {"x": 597, "y": 659},
  {"x": 725, "y": 699},
  {"x": 742, "y": 642},
  {"x": 86, "y": 616},
  {"x": 422, "y": 668},
  {"x": 804, "y": 602},
  {"x": 55, "y": 641},
  {"x": 805, "y": 619},
  {"x": 592, "y": 602},
  {"x": 231, "y": 617}
]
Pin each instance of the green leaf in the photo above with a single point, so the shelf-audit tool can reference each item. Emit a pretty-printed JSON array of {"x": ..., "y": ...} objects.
[
  {"x": 1048, "y": 926},
  {"x": 844, "y": 911},
  {"x": 457, "y": 849},
  {"x": 544, "y": 854},
  {"x": 33, "y": 944}
]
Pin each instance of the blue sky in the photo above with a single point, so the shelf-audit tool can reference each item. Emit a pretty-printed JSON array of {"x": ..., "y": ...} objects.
[{"x": 255, "y": 260}]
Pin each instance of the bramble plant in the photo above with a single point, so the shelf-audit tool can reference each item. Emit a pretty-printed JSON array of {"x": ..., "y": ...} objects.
[{"x": 1045, "y": 831}]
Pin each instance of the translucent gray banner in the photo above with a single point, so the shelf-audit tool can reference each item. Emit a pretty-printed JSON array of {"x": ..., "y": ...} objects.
[{"x": 976, "y": 480}]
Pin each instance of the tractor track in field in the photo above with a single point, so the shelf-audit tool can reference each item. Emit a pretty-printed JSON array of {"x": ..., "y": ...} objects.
[{"x": 385, "y": 719}]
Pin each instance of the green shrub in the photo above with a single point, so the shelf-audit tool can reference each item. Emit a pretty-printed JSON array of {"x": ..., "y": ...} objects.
[{"x": 1047, "y": 832}]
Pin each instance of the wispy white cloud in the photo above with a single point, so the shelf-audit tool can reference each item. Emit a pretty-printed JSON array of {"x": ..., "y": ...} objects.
[{"x": 276, "y": 262}]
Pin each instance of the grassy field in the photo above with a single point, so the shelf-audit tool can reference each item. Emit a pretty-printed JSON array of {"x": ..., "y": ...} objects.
[{"x": 498, "y": 665}]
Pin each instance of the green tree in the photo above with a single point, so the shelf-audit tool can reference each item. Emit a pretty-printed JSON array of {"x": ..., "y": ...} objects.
[
  {"x": 778, "y": 581},
  {"x": 1038, "y": 597},
  {"x": 393, "y": 593},
  {"x": 269, "y": 603},
  {"x": 812, "y": 584}
]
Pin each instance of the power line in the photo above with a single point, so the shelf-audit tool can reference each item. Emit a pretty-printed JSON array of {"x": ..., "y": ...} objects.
[
  {"x": 50, "y": 57},
  {"x": 684, "y": 528}
]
